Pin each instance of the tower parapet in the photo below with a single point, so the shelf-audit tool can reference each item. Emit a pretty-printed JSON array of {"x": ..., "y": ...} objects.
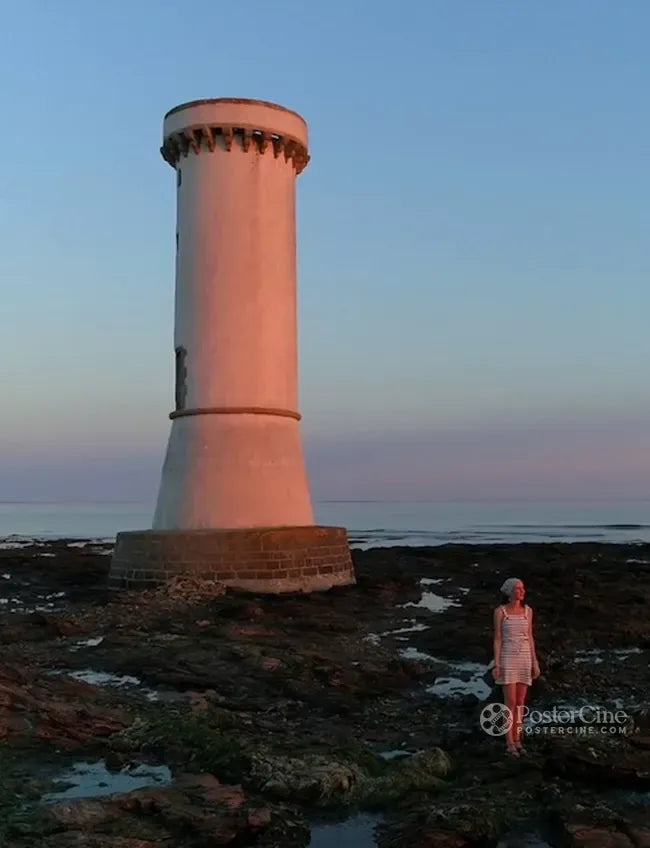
[{"x": 228, "y": 123}]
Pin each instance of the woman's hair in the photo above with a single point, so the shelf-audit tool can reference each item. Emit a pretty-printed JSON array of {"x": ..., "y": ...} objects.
[{"x": 508, "y": 586}]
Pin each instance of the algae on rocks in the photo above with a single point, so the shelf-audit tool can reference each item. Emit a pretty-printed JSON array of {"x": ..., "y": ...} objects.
[
  {"x": 310, "y": 779},
  {"x": 325, "y": 780},
  {"x": 424, "y": 772},
  {"x": 197, "y": 741}
]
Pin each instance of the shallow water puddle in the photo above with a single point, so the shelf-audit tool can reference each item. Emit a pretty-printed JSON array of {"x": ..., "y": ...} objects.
[
  {"x": 522, "y": 840},
  {"x": 356, "y": 832},
  {"x": 433, "y": 602},
  {"x": 471, "y": 683},
  {"x": 45, "y": 603},
  {"x": 87, "y": 643},
  {"x": 599, "y": 655},
  {"x": 16, "y": 541},
  {"x": 17, "y": 606},
  {"x": 397, "y": 754},
  {"x": 468, "y": 679},
  {"x": 92, "y": 780},
  {"x": 104, "y": 678},
  {"x": 413, "y": 627},
  {"x": 457, "y": 687},
  {"x": 119, "y": 681},
  {"x": 430, "y": 600},
  {"x": 594, "y": 657},
  {"x": 411, "y": 653}
]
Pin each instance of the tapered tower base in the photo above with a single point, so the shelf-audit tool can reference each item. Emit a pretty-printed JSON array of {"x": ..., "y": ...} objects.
[{"x": 258, "y": 559}]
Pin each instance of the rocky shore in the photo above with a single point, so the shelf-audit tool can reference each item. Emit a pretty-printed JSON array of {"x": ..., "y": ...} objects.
[{"x": 194, "y": 716}]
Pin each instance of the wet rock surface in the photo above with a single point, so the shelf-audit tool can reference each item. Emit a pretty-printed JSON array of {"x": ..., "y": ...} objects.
[{"x": 210, "y": 717}]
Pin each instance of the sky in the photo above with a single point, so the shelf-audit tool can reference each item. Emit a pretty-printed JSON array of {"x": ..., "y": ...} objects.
[{"x": 472, "y": 240}]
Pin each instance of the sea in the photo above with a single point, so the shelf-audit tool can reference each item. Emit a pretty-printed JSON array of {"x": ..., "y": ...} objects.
[{"x": 376, "y": 523}]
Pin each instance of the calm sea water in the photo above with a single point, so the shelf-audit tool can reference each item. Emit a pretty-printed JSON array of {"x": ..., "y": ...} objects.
[{"x": 374, "y": 523}]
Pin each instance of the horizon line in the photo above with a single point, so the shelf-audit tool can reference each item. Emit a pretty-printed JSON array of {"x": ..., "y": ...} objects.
[{"x": 512, "y": 499}]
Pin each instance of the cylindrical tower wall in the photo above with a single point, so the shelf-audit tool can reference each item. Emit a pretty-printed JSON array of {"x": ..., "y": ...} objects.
[{"x": 236, "y": 278}]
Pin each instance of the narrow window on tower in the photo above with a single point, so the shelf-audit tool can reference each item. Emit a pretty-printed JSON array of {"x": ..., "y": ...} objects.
[
  {"x": 181, "y": 378},
  {"x": 179, "y": 177}
]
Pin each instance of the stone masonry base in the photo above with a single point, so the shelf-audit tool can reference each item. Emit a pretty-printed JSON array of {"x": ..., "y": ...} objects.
[{"x": 258, "y": 559}]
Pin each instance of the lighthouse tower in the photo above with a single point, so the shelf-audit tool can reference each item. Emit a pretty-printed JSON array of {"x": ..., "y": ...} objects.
[{"x": 234, "y": 502}]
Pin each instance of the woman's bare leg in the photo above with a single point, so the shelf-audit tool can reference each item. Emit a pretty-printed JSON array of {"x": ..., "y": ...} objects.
[
  {"x": 521, "y": 693},
  {"x": 510, "y": 696}
]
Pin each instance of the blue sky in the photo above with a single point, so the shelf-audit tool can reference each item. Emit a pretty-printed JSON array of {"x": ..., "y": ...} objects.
[{"x": 473, "y": 250}]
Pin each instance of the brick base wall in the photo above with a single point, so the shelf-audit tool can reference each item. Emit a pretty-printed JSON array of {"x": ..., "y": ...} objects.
[{"x": 270, "y": 559}]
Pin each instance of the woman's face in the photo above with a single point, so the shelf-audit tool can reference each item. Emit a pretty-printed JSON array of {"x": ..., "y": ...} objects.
[{"x": 519, "y": 591}]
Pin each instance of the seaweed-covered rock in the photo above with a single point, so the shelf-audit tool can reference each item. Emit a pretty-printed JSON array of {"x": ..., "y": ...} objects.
[
  {"x": 312, "y": 778},
  {"x": 424, "y": 771}
]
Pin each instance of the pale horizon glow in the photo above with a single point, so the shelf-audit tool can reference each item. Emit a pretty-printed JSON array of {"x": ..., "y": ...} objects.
[{"x": 472, "y": 238}]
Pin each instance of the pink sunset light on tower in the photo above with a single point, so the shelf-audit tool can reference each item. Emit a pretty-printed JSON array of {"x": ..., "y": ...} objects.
[{"x": 234, "y": 502}]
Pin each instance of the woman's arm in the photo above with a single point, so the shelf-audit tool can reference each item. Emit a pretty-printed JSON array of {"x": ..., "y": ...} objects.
[
  {"x": 531, "y": 642},
  {"x": 497, "y": 643}
]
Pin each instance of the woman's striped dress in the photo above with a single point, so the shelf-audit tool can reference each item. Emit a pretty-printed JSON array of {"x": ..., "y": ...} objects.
[{"x": 515, "y": 660}]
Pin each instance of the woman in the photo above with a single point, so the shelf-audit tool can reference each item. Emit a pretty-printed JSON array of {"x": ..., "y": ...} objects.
[{"x": 515, "y": 660}]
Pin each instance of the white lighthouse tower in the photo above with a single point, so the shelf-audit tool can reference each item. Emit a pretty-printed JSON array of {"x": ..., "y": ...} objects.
[{"x": 234, "y": 502}]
